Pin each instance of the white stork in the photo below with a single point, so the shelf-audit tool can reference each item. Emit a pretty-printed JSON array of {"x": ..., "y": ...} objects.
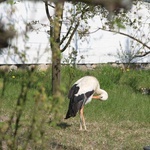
[{"x": 82, "y": 93}]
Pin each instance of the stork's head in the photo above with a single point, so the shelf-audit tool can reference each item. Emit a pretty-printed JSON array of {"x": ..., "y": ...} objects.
[{"x": 103, "y": 95}]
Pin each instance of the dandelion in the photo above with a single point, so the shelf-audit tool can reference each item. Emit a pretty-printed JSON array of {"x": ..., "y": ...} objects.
[
  {"x": 128, "y": 69},
  {"x": 13, "y": 77}
]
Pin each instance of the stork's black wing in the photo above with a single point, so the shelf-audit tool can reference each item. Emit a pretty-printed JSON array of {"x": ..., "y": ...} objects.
[
  {"x": 74, "y": 90},
  {"x": 76, "y": 102}
]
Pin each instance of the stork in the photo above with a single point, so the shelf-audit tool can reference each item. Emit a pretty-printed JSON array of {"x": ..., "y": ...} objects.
[{"x": 81, "y": 93}]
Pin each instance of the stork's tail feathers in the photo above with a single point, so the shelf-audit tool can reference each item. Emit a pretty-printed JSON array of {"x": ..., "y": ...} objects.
[
  {"x": 73, "y": 109},
  {"x": 70, "y": 113}
]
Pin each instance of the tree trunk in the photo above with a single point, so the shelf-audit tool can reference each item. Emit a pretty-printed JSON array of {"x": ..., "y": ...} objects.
[
  {"x": 56, "y": 68},
  {"x": 55, "y": 45}
]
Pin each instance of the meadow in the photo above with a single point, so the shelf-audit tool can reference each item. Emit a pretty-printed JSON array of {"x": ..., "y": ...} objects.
[{"x": 30, "y": 118}]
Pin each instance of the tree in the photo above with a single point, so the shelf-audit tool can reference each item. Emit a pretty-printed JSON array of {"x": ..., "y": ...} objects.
[
  {"x": 110, "y": 5},
  {"x": 130, "y": 25},
  {"x": 138, "y": 38},
  {"x": 58, "y": 42},
  {"x": 55, "y": 30}
]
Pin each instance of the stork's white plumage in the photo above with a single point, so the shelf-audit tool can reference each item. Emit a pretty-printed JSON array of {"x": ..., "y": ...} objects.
[{"x": 82, "y": 93}]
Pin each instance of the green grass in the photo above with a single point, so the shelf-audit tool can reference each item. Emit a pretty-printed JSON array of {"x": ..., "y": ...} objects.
[{"x": 122, "y": 122}]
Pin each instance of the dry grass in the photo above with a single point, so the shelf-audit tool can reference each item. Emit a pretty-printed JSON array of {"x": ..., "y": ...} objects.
[
  {"x": 102, "y": 135},
  {"x": 99, "y": 136}
]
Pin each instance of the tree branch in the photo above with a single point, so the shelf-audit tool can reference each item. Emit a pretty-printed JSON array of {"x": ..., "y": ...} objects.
[
  {"x": 68, "y": 32},
  {"x": 2, "y": 1},
  {"x": 127, "y": 35},
  {"x": 70, "y": 38},
  {"x": 47, "y": 11},
  {"x": 84, "y": 10},
  {"x": 51, "y": 6},
  {"x": 142, "y": 55}
]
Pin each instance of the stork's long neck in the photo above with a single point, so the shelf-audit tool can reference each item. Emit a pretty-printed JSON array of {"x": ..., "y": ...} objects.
[{"x": 98, "y": 90}]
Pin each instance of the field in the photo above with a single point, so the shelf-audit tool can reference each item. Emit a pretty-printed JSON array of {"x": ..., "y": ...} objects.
[{"x": 31, "y": 119}]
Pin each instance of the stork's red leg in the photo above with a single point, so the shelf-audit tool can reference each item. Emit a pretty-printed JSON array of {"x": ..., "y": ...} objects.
[{"x": 82, "y": 119}]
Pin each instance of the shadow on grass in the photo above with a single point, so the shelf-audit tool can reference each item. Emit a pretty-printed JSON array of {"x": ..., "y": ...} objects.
[
  {"x": 63, "y": 125},
  {"x": 59, "y": 146}
]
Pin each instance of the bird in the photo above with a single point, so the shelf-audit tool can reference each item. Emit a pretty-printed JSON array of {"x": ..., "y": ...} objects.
[{"x": 81, "y": 93}]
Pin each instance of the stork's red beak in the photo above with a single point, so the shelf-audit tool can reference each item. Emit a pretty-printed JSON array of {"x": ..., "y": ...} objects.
[{"x": 96, "y": 97}]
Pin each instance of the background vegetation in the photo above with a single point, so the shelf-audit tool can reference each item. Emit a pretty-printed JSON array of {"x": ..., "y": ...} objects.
[
  {"x": 33, "y": 103},
  {"x": 31, "y": 119}
]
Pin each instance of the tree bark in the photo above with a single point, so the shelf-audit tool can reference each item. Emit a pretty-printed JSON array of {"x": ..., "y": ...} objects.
[{"x": 55, "y": 46}]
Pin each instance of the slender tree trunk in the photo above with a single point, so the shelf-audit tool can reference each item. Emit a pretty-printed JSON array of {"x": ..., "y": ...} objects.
[
  {"x": 56, "y": 68},
  {"x": 55, "y": 45}
]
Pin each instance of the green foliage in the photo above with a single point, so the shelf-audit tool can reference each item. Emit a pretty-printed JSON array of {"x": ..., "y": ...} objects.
[
  {"x": 107, "y": 75},
  {"x": 136, "y": 79},
  {"x": 28, "y": 106}
]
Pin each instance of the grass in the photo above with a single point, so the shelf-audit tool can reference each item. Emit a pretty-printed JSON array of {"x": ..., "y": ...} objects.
[{"x": 120, "y": 123}]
